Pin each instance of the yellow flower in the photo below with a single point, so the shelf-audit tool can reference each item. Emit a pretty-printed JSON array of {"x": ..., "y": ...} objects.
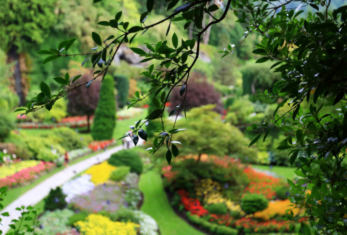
[
  {"x": 100, "y": 173},
  {"x": 101, "y": 225},
  {"x": 8, "y": 170},
  {"x": 232, "y": 206},
  {"x": 207, "y": 187},
  {"x": 276, "y": 208}
]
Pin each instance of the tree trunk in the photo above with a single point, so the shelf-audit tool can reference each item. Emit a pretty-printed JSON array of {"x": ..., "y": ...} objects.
[
  {"x": 190, "y": 32},
  {"x": 199, "y": 158},
  {"x": 253, "y": 87},
  {"x": 17, "y": 76},
  {"x": 207, "y": 33},
  {"x": 88, "y": 123}
]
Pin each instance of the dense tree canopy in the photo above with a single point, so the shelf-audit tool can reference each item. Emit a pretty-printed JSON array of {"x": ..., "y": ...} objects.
[{"x": 309, "y": 53}]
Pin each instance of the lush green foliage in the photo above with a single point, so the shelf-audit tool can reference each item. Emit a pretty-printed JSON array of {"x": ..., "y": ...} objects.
[
  {"x": 122, "y": 85},
  {"x": 215, "y": 229},
  {"x": 105, "y": 113},
  {"x": 119, "y": 173},
  {"x": 54, "y": 222},
  {"x": 252, "y": 203},
  {"x": 55, "y": 200},
  {"x": 69, "y": 139},
  {"x": 77, "y": 217},
  {"x": 6, "y": 125},
  {"x": 217, "y": 208},
  {"x": 128, "y": 158},
  {"x": 282, "y": 192}
]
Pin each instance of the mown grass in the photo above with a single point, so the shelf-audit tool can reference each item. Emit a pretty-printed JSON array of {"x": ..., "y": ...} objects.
[
  {"x": 282, "y": 171},
  {"x": 156, "y": 204}
]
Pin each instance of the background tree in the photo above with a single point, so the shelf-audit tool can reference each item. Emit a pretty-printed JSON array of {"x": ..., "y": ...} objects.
[
  {"x": 105, "y": 113},
  {"x": 24, "y": 23},
  {"x": 122, "y": 85},
  {"x": 200, "y": 93},
  {"x": 206, "y": 134},
  {"x": 85, "y": 100}
]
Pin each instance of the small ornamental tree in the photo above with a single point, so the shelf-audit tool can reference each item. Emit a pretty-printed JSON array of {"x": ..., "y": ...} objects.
[
  {"x": 200, "y": 93},
  {"x": 84, "y": 100},
  {"x": 105, "y": 113},
  {"x": 122, "y": 85},
  {"x": 55, "y": 200}
]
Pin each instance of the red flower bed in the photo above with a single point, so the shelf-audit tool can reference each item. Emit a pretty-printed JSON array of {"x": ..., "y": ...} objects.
[
  {"x": 97, "y": 145},
  {"x": 26, "y": 175},
  {"x": 261, "y": 183},
  {"x": 192, "y": 205}
]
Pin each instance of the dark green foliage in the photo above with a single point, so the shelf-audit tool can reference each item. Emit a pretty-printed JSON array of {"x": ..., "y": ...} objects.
[
  {"x": 153, "y": 125},
  {"x": 55, "y": 200},
  {"x": 128, "y": 158},
  {"x": 252, "y": 203},
  {"x": 282, "y": 192},
  {"x": 122, "y": 85},
  {"x": 258, "y": 77},
  {"x": 77, "y": 217},
  {"x": 6, "y": 125},
  {"x": 218, "y": 209},
  {"x": 122, "y": 215},
  {"x": 228, "y": 102},
  {"x": 213, "y": 228},
  {"x": 119, "y": 173},
  {"x": 105, "y": 113}
]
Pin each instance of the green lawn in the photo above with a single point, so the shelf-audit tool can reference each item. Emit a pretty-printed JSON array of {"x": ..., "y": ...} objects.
[
  {"x": 157, "y": 206},
  {"x": 285, "y": 172}
]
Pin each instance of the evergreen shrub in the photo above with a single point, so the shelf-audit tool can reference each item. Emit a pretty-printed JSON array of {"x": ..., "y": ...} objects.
[{"x": 128, "y": 158}]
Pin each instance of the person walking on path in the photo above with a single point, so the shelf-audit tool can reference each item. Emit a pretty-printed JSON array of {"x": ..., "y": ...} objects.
[{"x": 66, "y": 159}]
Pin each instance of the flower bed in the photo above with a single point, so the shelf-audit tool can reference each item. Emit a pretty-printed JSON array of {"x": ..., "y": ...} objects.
[
  {"x": 97, "y": 145},
  {"x": 100, "y": 173},
  {"x": 12, "y": 168},
  {"x": 26, "y": 175},
  {"x": 201, "y": 194},
  {"x": 77, "y": 187}
]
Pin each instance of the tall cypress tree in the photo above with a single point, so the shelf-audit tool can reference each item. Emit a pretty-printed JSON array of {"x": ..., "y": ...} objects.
[{"x": 105, "y": 113}]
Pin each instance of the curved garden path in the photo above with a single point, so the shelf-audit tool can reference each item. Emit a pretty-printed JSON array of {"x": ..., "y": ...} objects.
[
  {"x": 158, "y": 207},
  {"x": 39, "y": 192}
]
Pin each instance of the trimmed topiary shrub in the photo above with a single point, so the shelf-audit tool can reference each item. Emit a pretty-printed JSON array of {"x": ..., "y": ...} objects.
[
  {"x": 214, "y": 228},
  {"x": 282, "y": 192},
  {"x": 55, "y": 200},
  {"x": 218, "y": 209},
  {"x": 128, "y": 158},
  {"x": 122, "y": 85},
  {"x": 105, "y": 113},
  {"x": 252, "y": 203},
  {"x": 77, "y": 217},
  {"x": 69, "y": 139},
  {"x": 119, "y": 173}
]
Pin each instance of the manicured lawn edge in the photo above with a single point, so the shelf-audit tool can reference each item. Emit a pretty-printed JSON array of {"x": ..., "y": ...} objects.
[{"x": 156, "y": 204}]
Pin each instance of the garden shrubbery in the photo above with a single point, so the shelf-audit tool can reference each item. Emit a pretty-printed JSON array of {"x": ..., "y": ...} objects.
[
  {"x": 69, "y": 139},
  {"x": 55, "y": 200},
  {"x": 119, "y": 173},
  {"x": 282, "y": 192},
  {"x": 252, "y": 203},
  {"x": 218, "y": 209},
  {"x": 128, "y": 158}
]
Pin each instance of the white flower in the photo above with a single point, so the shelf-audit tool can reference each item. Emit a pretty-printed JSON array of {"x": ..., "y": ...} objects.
[
  {"x": 148, "y": 226},
  {"x": 14, "y": 156},
  {"x": 77, "y": 186},
  {"x": 252, "y": 114},
  {"x": 4, "y": 151}
]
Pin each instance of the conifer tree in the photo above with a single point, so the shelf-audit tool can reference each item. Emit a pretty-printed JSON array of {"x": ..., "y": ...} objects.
[{"x": 105, "y": 113}]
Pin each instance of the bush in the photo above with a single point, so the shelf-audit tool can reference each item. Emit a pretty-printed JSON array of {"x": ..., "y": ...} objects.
[
  {"x": 214, "y": 228},
  {"x": 7, "y": 124},
  {"x": 77, "y": 217},
  {"x": 122, "y": 215},
  {"x": 218, "y": 209},
  {"x": 105, "y": 113},
  {"x": 252, "y": 203},
  {"x": 122, "y": 85},
  {"x": 200, "y": 93},
  {"x": 282, "y": 192},
  {"x": 131, "y": 180},
  {"x": 55, "y": 200},
  {"x": 69, "y": 139},
  {"x": 128, "y": 158},
  {"x": 133, "y": 197},
  {"x": 55, "y": 222},
  {"x": 119, "y": 173}
]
